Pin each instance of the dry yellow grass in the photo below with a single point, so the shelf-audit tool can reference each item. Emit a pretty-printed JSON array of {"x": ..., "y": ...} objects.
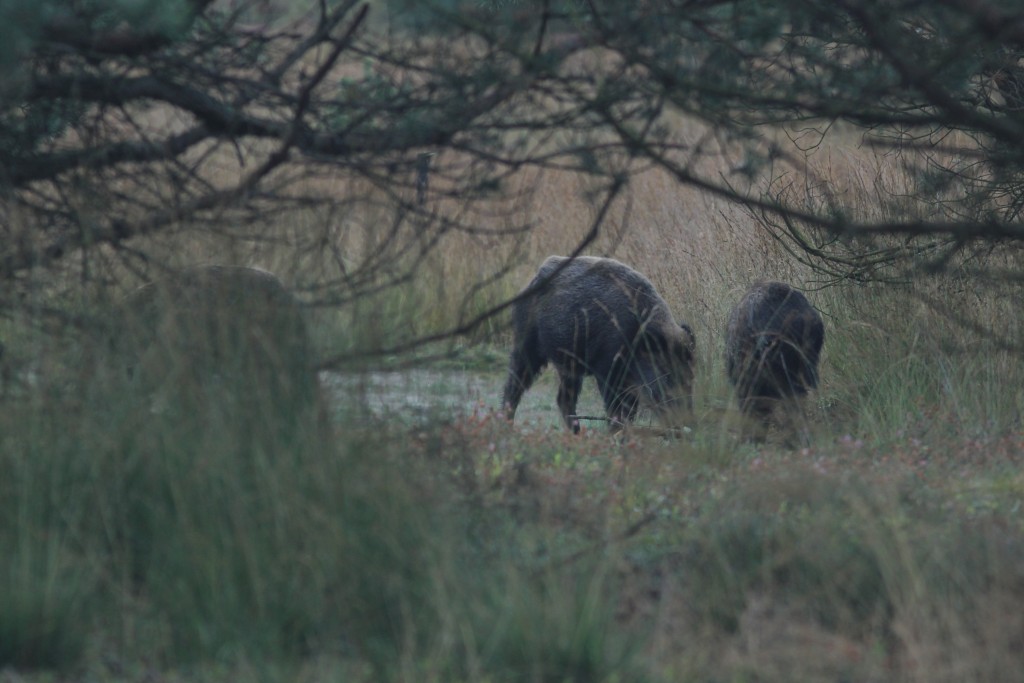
[
  {"x": 701, "y": 251},
  {"x": 382, "y": 276}
]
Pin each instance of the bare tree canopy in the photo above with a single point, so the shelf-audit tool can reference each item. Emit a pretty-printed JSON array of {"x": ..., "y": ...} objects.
[{"x": 124, "y": 119}]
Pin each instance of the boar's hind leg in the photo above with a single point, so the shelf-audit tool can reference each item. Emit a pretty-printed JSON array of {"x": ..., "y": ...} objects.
[
  {"x": 568, "y": 393},
  {"x": 523, "y": 368}
]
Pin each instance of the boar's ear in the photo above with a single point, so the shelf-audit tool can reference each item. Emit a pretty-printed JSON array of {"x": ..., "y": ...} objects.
[{"x": 683, "y": 346}]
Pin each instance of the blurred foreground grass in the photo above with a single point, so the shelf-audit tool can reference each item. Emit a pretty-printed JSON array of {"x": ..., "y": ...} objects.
[
  {"x": 419, "y": 537},
  {"x": 452, "y": 546}
]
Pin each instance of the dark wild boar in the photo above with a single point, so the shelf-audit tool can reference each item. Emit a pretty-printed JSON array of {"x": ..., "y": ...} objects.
[
  {"x": 772, "y": 343},
  {"x": 597, "y": 316}
]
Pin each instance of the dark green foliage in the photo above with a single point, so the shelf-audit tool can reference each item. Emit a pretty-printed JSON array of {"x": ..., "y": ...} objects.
[
  {"x": 442, "y": 16},
  {"x": 41, "y": 615},
  {"x": 22, "y": 132},
  {"x": 46, "y": 586},
  {"x": 49, "y": 27},
  {"x": 240, "y": 546},
  {"x": 558, "y": 627}
]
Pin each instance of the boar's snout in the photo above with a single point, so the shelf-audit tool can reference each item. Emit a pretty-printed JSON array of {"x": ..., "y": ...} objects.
[{"x": 671, "y": 396}]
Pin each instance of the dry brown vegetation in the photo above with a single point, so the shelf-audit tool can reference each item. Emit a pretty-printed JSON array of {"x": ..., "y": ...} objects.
[{"x": 462, "y": 548}]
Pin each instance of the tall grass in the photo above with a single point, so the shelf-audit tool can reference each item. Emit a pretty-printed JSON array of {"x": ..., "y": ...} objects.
[
  {"x": 182, "y": 541},
  {"x": 467, "y": 550},
  {"x": 198, "y": 539},
  {"x": 923, "y": 336}
]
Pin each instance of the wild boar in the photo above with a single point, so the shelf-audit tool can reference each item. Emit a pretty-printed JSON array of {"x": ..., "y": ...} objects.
[
  {"x": 773, "y": 340},
  {"x": 597, "y": 316}
]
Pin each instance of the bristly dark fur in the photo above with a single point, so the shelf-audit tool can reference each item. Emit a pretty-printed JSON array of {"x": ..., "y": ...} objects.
[
  {"x": 597, "y": 316},
  {"x": 772, "y": 344}
]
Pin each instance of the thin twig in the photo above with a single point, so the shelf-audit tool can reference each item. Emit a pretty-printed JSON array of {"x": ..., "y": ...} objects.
[{"x": 648, "y": 430}]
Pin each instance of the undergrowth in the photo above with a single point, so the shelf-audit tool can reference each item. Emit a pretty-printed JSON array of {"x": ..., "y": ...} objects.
[{"x": 211, "y": 535}]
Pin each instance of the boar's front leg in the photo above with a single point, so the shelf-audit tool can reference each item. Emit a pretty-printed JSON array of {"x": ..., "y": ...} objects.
[{"x": 569, "y": 386}]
